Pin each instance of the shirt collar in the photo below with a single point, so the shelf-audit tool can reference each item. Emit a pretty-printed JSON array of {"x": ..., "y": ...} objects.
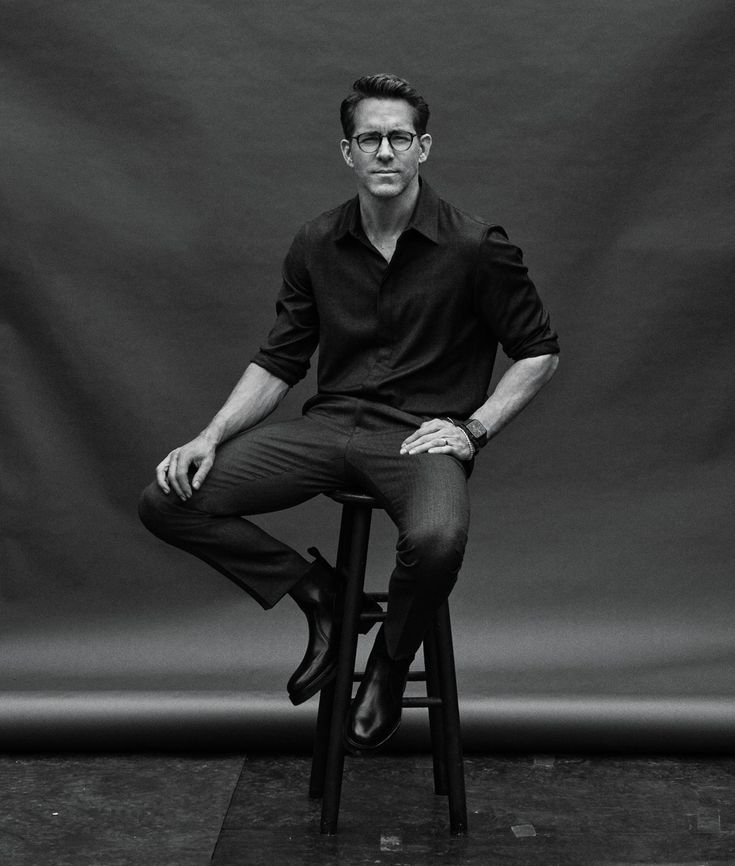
[{"x": 425, "y": 217}]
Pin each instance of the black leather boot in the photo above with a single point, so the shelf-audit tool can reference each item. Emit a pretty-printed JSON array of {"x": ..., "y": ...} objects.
[
  {"x": 375, "y": 713},
  {"x": 316, "y": 594}
]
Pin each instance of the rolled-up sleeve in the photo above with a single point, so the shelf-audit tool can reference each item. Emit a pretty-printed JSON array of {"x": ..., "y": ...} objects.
[
  {"x": 507, "y": 299},
  {"x": 295, "y": 333}
]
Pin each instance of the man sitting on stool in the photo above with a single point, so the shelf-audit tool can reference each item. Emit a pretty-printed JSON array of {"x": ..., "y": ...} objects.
[{"x": 407, "y": 299}]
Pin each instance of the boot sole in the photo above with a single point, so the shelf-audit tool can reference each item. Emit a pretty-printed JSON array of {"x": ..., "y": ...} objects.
[
  {"x": 364, "y": 747},
  {"x": 315, "y": 685}
]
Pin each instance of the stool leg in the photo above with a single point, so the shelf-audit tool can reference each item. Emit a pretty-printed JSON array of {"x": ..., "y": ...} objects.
[
  {"x": 436, "y": 721},
  {"x": 448, "y": 685},
  {"x": 355, "y": 572},
  {"x": 326, "y": 697},
  {"x": 321, "y": 740}
]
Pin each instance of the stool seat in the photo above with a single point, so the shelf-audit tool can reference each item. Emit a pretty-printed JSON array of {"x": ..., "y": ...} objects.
[{"x": 354, "y": 497}]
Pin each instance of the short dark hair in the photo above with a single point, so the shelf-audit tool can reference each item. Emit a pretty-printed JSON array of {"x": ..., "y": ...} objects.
[{"x": 383, "y": 86}]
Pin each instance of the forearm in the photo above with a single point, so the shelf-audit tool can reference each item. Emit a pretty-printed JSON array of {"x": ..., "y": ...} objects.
[
  {"x": 518, "y": 386},
  {"x": 254, "y": 397}
]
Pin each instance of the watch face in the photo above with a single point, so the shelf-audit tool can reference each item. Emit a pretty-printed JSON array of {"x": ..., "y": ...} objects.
[{"x": 477, "y": 429}]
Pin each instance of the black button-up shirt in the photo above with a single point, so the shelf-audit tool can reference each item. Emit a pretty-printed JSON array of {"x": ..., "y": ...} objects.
[{"x": 419, "y": 333}]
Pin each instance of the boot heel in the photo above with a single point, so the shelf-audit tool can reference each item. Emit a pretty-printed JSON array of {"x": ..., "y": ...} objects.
[{"x": 369, "y": 605}]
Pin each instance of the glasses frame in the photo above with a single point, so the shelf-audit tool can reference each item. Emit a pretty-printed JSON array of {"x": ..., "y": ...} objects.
[{"x": 387, "y": 137}]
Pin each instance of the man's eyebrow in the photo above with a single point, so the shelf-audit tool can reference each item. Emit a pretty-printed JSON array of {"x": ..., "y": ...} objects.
[{"x": 378, "y": 132}]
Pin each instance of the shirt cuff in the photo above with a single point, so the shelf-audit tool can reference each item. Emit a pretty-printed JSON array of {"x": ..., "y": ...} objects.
[
  {"x": 548, "y": 346},
  {"x": 290, "y": 372}
]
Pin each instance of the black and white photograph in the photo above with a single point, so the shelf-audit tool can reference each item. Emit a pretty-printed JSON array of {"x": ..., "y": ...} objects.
[{"x": 368, "y": 433}]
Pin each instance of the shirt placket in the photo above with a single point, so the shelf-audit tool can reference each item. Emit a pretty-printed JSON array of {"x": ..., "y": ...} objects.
[{"x": 384, "y": 325}]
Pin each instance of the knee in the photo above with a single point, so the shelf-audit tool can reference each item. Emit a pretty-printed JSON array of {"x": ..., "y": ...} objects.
[
  {"x": 155, "y": 510},
  {"x": 433, "y": 547}
]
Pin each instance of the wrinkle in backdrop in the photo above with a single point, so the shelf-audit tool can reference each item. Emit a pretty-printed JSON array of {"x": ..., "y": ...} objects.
[{"x": 157, "y": 160}]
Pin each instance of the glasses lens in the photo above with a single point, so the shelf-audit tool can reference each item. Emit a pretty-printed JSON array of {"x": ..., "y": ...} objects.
[
  {"x": 368, "y": 142},
  {"x": 400, "y": 141}
]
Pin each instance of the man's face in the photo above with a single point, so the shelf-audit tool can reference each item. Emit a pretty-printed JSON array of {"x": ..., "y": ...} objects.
[{"x": 385, "y": 173}]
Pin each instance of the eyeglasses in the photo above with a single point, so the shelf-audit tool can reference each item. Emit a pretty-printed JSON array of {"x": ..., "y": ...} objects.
[{"x": 370, "y": 142}]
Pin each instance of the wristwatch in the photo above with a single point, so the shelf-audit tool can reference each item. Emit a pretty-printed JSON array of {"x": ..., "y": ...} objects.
[{"x": 477, "y": 432}]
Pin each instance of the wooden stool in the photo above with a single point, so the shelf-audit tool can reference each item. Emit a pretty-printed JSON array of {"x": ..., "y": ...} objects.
[{"x": 440, "y": 677}]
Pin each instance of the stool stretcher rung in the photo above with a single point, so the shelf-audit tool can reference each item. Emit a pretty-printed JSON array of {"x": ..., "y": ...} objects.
[
  {"x": 422, "y": 702},
  {"x": 413, "y": 676}
]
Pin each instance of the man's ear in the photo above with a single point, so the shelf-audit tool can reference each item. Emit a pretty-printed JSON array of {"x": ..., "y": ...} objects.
[
  {"x": 346, "y": 149},
  {"x": 425, "y": 145}
]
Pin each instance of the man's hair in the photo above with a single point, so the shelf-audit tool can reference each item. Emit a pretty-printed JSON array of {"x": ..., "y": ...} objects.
[{"x": 383, "y": 86}]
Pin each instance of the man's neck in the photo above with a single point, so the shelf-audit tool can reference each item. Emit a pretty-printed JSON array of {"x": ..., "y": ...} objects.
[{"x": 387, "y": 217}]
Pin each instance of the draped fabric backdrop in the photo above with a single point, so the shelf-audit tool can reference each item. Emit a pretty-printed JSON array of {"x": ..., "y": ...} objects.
[{"x": 157, "y": 159}]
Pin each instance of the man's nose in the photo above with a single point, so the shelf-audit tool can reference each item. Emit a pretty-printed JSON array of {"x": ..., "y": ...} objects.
[{"x": 385, "y": 151}]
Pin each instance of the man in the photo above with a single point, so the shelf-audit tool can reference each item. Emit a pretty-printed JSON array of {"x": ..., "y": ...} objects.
[{"x": 407, "y": 299}]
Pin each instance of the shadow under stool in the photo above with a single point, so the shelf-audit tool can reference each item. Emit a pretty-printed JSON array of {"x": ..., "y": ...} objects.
[{"x": 439, "y": 675}]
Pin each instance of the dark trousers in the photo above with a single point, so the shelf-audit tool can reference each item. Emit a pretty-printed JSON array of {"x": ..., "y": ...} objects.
[{"x": 338, "y": 443}]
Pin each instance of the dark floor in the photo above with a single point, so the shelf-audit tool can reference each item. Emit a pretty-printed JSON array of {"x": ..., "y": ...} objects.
[
  {"x": 171, "y": 811},
  {"x": 113, "y": 810}
]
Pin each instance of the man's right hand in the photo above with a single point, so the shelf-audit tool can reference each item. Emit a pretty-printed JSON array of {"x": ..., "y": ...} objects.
[
  {"x": 173, "y": 470},
  {"x": 254, "y": 397}
]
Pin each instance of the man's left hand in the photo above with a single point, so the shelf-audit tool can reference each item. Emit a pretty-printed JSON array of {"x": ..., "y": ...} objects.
[{"x": 438, "y": 436}]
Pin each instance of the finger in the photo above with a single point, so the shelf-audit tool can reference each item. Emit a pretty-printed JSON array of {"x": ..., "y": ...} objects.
[
  {"x": 182, "y": 477},
  {"x": 431, "y": 442},
  {"x": 202, "y": 473},
  {"x": 419, "y": 444},
  {"x": 444, "y": 444},
  {"x": 173, "y": 477},
  {"x": 456, "y": 446},
  {"x": 427, "y": 427},
  {"x": 161, "y": 472},
  {"x": 417, "y": 434},
  {"x": 431, "y": 437},
  {"x": 427, "y": 432}
]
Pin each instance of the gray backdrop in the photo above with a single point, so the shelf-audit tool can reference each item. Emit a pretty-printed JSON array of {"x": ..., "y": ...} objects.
[{"x": 156, "y": 160}]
